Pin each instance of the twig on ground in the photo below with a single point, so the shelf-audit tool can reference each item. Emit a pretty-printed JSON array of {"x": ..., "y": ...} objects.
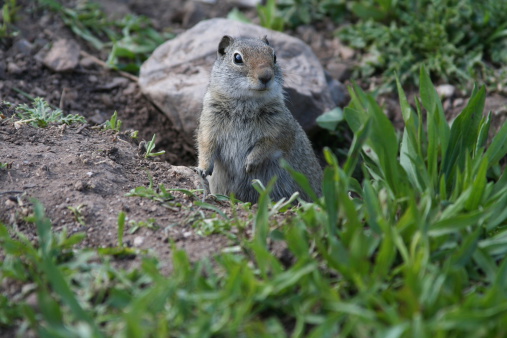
[
  {"x": 62, "y": 97},
  {"x": 104, "y": 65}
]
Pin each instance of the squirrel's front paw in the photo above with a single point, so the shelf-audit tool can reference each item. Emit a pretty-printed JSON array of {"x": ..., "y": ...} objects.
[
  {"x": 250, "y": 166},
  {"x": 253, "y": 162},
  {"x": 206, "y": 171},
  {"x": 202, "y": 172}
]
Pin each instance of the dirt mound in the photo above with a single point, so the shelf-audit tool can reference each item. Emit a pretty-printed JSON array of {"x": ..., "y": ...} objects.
[
  {"x": 89, "y": 90},
  {"x": 82, "y": 176}
]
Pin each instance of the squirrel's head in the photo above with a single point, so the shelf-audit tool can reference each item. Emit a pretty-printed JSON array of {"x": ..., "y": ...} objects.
[{"x": 247, "y": 67}]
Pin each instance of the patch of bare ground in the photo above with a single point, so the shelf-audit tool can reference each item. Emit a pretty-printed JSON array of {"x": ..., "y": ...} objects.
[{"x": 67, "y": 167}]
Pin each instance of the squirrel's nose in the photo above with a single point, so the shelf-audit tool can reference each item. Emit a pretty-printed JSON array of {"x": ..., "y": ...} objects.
[{"x": 265, "y": 76}]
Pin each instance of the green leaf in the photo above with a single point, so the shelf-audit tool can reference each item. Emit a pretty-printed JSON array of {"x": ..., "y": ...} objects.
[
  {"x": 464, "y": 134},
  {"x": 464, "y": 253},
  {"x": 438, "y": 129},
  {"x": 478, "y": 186},
  {"x": 454, "y": 224},
  {"x": 367, "y": 12},
  {"x": 483, "y": 132},
  {"x": 382, "y": 137},
  {"x": 496, "y": 245},
  {"x": 329, "y": 192},
  {"x": 498, "y": 147},
  {"x": 351, "y": 309},
  {"x": 43, "y": 228},
  {"x": 237, "y": 15},
  {"x": 292, "y": 276},
  {"x": 297, "y": 241},
  {"x": 330, "y": 119},
  {"x": 301, "y": 180},
  {"x": 211, "y": 207},
  {"x": 262, "y": 218},
  {"x": 360, "y": 138},
  {"x": 121, "y": 227}
]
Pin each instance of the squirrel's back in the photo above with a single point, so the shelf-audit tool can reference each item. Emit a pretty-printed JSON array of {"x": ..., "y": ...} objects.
[{"x": 245, "y": 127}]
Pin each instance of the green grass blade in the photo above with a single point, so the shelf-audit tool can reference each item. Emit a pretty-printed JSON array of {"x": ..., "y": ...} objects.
[
  {"x": 478, "y": 186},
  {"x": 360, "y": 138},
  {"x": 483, "y": 133},
  {"x": 431, "y": 101},
  {"x": 330, "y": 199},
  {"x": 498, "y": 147},
  {"x": 438, "y": 129},
  {"x": 121, "y": 227},
  {"x": 382, "y": 137},
  {"x": 262, "y": 218},
  {"x": 211, "y": 207},
  {"x": 301, "y": 180},
  {"x": 456, "y": 223},
  {"x": 54, "y": 275},
  {"x": 465, "y": 251},
  {"x": 464, "y": 133}
]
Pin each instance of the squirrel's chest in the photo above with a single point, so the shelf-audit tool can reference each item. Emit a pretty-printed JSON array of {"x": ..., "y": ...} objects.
[{"x": 237, "y": 139}]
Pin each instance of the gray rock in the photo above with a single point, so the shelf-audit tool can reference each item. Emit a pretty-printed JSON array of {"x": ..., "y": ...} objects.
[
  {"x": 340, "y": 70},
  {"x": 13, "y": 68},
  {"x": 176, "y": 75},
  {"x": 63, "y": 56},
  {"x": 338, "y": 91},
  {"x": 23, "y": 46}
]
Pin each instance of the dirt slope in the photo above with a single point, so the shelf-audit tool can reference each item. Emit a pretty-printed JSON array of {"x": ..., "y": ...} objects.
[{"x": 93, "y": 170}]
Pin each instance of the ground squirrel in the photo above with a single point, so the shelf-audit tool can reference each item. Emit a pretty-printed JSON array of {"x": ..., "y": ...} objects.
[{"x": 245, "y": 127}]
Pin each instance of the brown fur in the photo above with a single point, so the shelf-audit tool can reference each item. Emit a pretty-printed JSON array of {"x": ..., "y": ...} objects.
[{"x": 245, "y": 127}]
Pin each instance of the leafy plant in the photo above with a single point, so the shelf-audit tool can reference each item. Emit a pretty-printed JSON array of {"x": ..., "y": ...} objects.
[
  {"x": 330, "y": 119},
  {"x": 39, "y": 267},
  {"x": 122, "y": 216},
  {"x": 9, "y": 10},
  {"x": 150, "y": 223},
  {"x": 41, "y": 114},
  {"x": 5, "y": 165},
  {"x": 236, "y": 14},
  {"x": 134, "y": 134},
  {"x": 419, "y": 236},
  {"x": 269, "y": 17},
  {"x": 129, "y": 40},
  {"x": 150, "y": 146},
  {"x": 163, "y": 196},
  {"x": 114, "y": 123},
  {"x": 456, "y": 40},
  {"x": 78, "y": 214},
  {"x": 304, "y": 12}
]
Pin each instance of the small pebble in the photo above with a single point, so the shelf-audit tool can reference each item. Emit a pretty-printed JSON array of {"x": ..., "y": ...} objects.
[
  {"x": 446, "y": 90},
  {"x": 458, "y": 102},
  {"x": 138, "y": 241}
]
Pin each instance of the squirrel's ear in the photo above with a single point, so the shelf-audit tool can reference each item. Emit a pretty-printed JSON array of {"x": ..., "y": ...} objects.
[
  {"x": 224, "y": 43},
  {"x": 265, "y": 39}
]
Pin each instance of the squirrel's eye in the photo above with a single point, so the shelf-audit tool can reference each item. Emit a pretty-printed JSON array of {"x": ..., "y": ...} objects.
[
  {"x": 274, "y": 58},
  {"x": 237, "y": 58}
]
